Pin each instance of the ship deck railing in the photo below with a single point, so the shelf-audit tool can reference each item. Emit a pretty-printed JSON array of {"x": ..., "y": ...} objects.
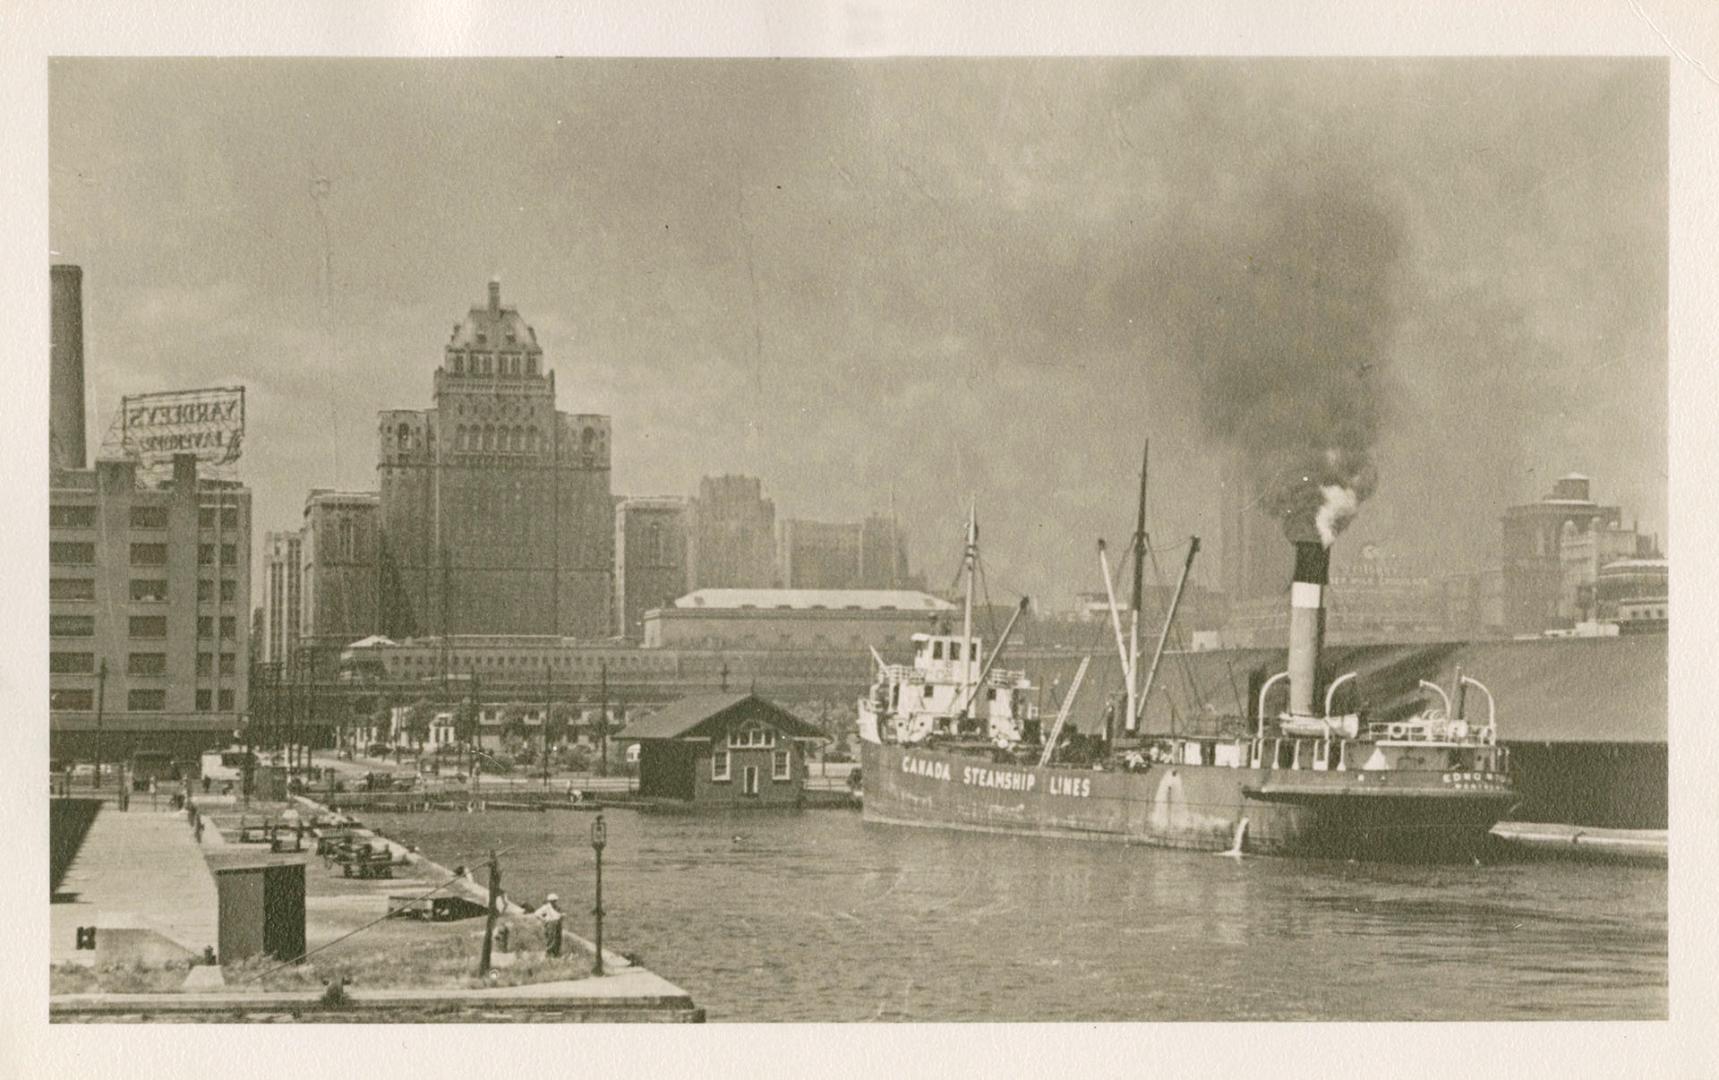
[{"x": 1000, "y": 678}]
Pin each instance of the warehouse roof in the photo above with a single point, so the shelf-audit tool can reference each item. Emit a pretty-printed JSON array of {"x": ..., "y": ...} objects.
[
  {"x": 1598, "y": 690},
  {"x": 815, "y": 600}
]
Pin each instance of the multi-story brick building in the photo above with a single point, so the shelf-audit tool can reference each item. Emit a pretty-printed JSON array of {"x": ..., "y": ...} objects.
[
  {"x": 496, "y": 510},
  {"x": 149, "y": 609},
  {"x": 283, "y": 599},
  {"x": 340, "y": 538},
  {"x": 1583, "y": 553},
  {"x": 1533, "y": 537},
  {"x": 650, "y": 559},
  {"x": 732, "y": 543},
  {"x": 1253, "y": 562},
  {"x": 883, "y": 556},
  {"x": 820, "y": 554}
]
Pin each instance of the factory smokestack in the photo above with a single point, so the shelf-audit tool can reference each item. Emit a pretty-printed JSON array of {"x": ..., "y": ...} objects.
[
  {"x": 1306, "y": 624},
  {"x": 494, "y": 297},
  {"x": 66, "y": 448}
]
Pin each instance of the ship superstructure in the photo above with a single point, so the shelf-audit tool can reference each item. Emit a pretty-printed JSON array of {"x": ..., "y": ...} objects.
[{"x": 953, "y": 688}]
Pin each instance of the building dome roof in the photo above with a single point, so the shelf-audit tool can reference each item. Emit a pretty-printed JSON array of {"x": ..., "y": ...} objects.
[{"x": 494, "y": 326}]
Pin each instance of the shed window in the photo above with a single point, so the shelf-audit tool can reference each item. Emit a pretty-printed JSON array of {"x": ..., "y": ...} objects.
[
  {"x": 752, "y": 735},
  {"x": 719, "y": 765}
]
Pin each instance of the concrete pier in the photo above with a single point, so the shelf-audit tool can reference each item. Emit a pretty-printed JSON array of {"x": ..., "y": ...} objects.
[
  {"x": 1579, "y": 842},
  {"x": 145, "y": 882},
  {"x": 138, "y": 870}
]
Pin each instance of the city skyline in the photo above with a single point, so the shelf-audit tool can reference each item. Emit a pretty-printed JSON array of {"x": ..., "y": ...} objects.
[{"x": 853, "y": 278}]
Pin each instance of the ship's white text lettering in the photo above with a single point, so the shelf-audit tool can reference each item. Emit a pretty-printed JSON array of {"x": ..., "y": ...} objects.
[{"x": 936, "y": 770}]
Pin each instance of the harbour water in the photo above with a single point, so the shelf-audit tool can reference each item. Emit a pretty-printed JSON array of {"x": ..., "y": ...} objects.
[{"x": 820, "y": 917}]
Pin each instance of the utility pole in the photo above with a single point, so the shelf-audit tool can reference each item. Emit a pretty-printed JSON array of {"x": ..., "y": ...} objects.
[
  {"x": 602, "y": 725},
  {"x": 477, "y": 732},
  {"x": 599, "y": 837},
  {"x": 101, "y": 701},
  {"x": 489, "y": 916},
  {"x": 548, "y": 707}
]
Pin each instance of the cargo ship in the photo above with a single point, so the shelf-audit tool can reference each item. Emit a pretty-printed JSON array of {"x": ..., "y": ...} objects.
[{"x": 951, "y": 742}]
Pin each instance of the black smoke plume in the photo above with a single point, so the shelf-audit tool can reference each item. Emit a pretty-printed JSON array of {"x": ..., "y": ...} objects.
[{"x": 1283, "y": 299}]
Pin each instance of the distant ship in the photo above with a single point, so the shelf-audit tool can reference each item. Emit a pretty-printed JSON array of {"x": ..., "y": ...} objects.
[{"x": 952, "y": 742}]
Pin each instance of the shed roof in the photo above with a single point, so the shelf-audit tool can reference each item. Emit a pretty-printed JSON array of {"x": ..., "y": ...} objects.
[{"x": 681, "y": 717}]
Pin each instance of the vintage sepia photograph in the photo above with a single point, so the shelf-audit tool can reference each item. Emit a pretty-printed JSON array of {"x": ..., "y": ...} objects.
[{"x": 881, "y": 540}]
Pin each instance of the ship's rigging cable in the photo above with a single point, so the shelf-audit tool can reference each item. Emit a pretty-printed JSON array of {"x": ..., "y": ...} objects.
[{"x": 1196, "y": 697}]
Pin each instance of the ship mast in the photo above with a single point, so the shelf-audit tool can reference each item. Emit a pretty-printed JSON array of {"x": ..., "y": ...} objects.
[
  {"x": 968, "y": 562},
  {"x": 1133, "y": 666}
]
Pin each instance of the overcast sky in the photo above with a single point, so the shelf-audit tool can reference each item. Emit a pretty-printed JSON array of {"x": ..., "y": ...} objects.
[{"x": 937, "y": 277}]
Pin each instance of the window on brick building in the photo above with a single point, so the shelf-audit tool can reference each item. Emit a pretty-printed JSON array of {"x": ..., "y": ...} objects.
[
  {"x": 71, "y": 517},
  {"x": 146, "y": 663},
  {"x": 73, "y": 699},
  {"x": 149, "y": 517},
  {"x": 148, "y": 626},
  {"x": 146, "y": 700},
  {"x": 71, "y": 588},
  {"x": 71, "y": 625},
  {"x": 148, "y": 589},
  {"x": 72, "y": 553},
  {"x": 71, "y": 663}
]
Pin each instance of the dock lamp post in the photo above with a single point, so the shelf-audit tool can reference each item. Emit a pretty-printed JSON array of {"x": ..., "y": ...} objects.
[{"x": 599, "y": 837}]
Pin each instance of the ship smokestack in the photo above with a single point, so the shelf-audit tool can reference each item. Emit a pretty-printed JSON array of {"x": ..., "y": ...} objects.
[{"x": 1307, "y": 623}]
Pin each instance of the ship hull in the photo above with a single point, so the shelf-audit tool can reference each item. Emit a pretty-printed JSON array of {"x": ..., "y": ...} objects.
[{"x": 1394, "y": 816}]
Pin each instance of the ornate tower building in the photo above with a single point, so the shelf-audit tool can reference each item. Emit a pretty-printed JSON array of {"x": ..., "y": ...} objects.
[{"x": 496, "y": 511}]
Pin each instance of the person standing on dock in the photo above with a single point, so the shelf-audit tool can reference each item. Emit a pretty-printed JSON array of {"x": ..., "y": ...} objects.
[{"x": 551, "y": 915}]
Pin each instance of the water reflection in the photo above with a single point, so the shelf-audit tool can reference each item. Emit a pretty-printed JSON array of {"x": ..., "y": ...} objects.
[{"x": 820, "y": 917}]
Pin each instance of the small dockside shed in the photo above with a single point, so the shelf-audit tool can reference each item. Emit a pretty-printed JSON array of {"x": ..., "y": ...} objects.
[{"x": 723, "y": 751}]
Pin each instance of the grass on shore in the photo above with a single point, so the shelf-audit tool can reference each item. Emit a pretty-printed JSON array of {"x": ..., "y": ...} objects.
[
  {"x": 405, "y": 955},
  {"x": 130, "y": 978},
  {"x": 395, "y": 955}
]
